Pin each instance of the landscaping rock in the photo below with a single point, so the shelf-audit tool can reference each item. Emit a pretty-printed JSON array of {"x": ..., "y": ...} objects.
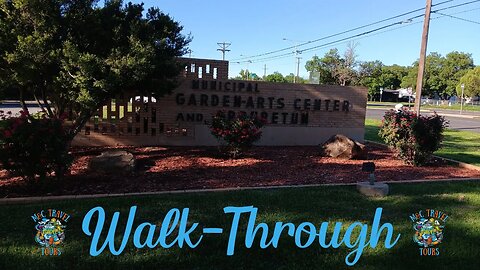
[
  {"x": 113, "y": 162},
  {"x": 340, "y": 146},
  {"x": 378, "y": 189}
]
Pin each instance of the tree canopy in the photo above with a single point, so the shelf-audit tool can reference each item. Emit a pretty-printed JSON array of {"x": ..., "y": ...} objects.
[
  {"x": 73, "y": 56},
  {"x": 334, "y": 69},
  {"x": 246, "y": 74},
  {"x": 275, "y": 77},
  {"x": 441, "y": 73},
  {"x": 471, "y": 82},
  {"x": 375, "y": 75}
]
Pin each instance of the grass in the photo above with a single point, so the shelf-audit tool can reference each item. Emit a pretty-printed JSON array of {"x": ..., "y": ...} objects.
[
  {"x": 372, "y": 126},
  {"x": 461, "y": 200},
  {"x": 458, "y": 145},
  {"x": 456, "y": 107}
]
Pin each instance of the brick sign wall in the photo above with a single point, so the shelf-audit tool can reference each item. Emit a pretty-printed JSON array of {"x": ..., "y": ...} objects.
[{"x": 297, "y": 114}]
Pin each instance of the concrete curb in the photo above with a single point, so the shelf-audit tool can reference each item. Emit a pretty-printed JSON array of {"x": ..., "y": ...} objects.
[
  {"x": 466, "y": 116},
  {"x": 26, "y": 200}
]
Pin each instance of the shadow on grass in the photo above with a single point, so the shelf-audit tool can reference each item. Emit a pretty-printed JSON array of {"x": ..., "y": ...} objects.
[{"x": 459, "y": 200}]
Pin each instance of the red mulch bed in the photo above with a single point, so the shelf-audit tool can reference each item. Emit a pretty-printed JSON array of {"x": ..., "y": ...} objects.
[{"x": 177, "y": 168}]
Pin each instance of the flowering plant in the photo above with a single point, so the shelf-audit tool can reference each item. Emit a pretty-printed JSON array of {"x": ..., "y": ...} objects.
[
  {"x": 33, "y": 146},
  {"x": 239, "y": 132},
  {"x": 413, "y": 137}
]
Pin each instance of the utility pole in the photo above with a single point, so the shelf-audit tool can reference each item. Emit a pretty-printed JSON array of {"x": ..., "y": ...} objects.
[
  {"x": 295, "y": 78},
  {"x": 223, "y": 48},
  {"x": 264, "y": 71},
  {"x": 248, "y": 71},
  {"x": 297, "y": 58},
  {"x": 423, "y": 55}
]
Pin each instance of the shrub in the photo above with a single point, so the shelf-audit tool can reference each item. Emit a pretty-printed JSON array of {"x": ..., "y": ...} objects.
[
  {"x": 413, "y": 137},
  {"x": 238, "y": 132},
  {"x": 33, "y": 147}
]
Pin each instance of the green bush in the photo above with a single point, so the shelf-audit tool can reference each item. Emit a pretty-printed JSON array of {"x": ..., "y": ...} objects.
[
  {"x": 413, "y": 137},
  {"x": 238, "y": 132},
  {"x": 33, "y": 147}
]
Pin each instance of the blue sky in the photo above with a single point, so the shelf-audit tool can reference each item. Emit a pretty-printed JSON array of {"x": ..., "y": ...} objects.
[{"x": 255, "y": 27}]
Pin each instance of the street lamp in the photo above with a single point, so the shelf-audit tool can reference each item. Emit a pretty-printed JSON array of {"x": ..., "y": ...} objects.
[{"x": 461, "y": 101}]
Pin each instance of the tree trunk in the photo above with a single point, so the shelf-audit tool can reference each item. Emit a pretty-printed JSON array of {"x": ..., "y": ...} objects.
[
  {"x": 22, "y": 102},
  {"x": 39, "y": 103},
  {"x": 45, "y": 102},
  {"x": 79, "y": 124}
]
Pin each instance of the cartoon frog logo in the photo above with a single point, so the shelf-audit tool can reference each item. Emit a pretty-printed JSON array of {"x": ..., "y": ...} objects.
[
  {"x": 428, "y": 232},
  {"x": 50, "y": 232}
]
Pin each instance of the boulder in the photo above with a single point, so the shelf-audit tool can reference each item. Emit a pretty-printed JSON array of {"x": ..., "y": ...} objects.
[
  {"x": 340, "y": 146},
  {"x": 113, "y": 162}
]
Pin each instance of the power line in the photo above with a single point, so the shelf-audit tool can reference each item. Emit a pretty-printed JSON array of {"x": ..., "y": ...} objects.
[
  {"x": 337, "y": 41},
  {"x": 458, "y": 12},
  {"x": 331, "y": 44},
  {"x": 341, "y": 33},
  {"x": 357, "y": 35},
  {"x": 275, "y": 57},
  {"x": 455, "y": 6},
  {"x": 361, "y": 34},
  {"x": 400, "y": 27},
  {"x": 458, "y": 18},
  {"x": 357, "y": 38}
]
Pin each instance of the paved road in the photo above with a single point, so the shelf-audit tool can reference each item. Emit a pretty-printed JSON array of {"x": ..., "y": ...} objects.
[
  {"x": 15, "y": 108},
  {"x": 467, "y": 121}
]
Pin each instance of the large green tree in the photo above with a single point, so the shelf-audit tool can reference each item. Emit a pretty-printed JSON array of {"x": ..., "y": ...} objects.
[
  {"x": 325, "y": 66},
  {"x": 368, "y": 75},
  {"x": 455, "y": 66},
  {"x": 333, "y": 68},
  {"x": 275, "y": 77},
  {"x": 471, "y": 82},
  {"x": 374, "y": 75},
  {"x": 391, "y": 76},
  {"x": 345, "y": 72},
  {"x": 73, "y": 56},
  {"x": 441, "y": 73},
  {"x": 289, "y": 78}
]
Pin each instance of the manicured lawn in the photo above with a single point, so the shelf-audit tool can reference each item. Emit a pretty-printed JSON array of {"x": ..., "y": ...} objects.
[
  {"x": 456, "y": 107},
  {"x": 372, "y": 126},
  {"x": 387, "y": 104},
  {"x": 458, "y": 145},
  {"x": 459, "y": 250}
]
